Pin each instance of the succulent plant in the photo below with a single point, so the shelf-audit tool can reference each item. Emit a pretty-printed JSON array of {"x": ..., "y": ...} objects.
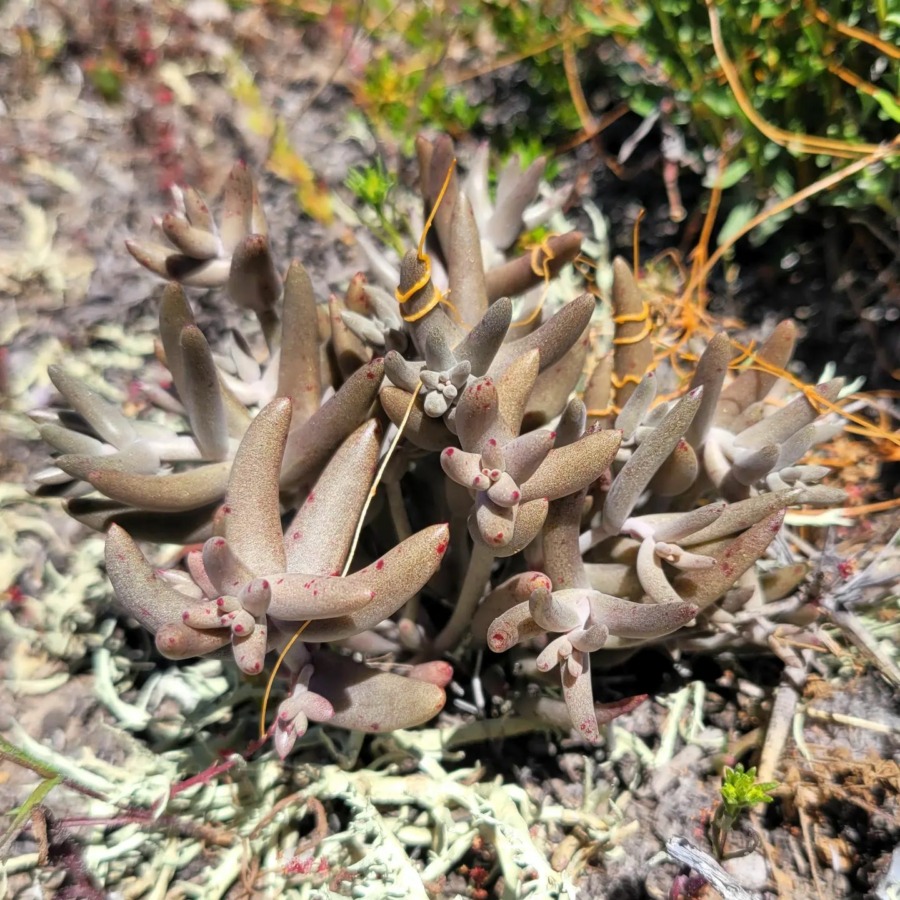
[{"x": 627, "y": 520}]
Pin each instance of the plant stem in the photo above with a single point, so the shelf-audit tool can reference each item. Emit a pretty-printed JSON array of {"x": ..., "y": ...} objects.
[{"x": 470, "y": 593}]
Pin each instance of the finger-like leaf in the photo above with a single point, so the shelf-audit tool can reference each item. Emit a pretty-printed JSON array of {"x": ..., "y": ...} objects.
[
  {"x": 644, "y": 462},
  {"x": 298, "y": 363},
  {"x": 368, "y": 700},
  {"x": 526, "y": 271},
  {"x": 393, "y": 578},
  {"x": 705, "y": 587},
  {"x": 101, "y": 415},
  {"x": 202, "y": 395},
  {"x": 573, "y": 467},
  {"x": 312, "y": 443},
  {"x": 140, "y": 590},
  {"x": 252, "y": 520},
  {"x": 318, "y": 539},
  {"x": 165, "y": 493}
]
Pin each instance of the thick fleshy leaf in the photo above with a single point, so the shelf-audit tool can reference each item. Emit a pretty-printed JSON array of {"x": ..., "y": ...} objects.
[
  {"x": 368, "y": 700},
  {"x": 511, "y": 627},
  {"x": 165, "y": 493},
  {"x": 426, "y": 432},
  {"x": 753, "y": 384},
  {"x": 513, "y": 390},
  {"x": 189, "y": 527},
  {"x": 598, "y": 393},
  {"x": 572, "y": 423},
  {"x": 633, "y": 351},
  {"x": 573, "y": 467},
  {"x": 297, "y": 597},
  {"x": 443, "y": 156},
  {"x": 313, "y": 442},
  {"x": 174, "y": 315},
  {"x": 318, "y": 539},
  {"x": 555, "y": 713},
  {"x": 468, "y": 291},
  {"x": 197, "y": 273},
  {"x": 476, "y": 414},
  {"x": 349, "y": 350},
  {"x": 253, "y": 282},
  {"x": 70, "y": 442},
  {"x": 421, "y": 312},
  {"x": 176, "y": 640},
  {"x": 553, "y": 339},
  {"x": 529, "y": 521},
  {"x": 102, "y": 416},
  {"x": 237, "y": 207},
  {"x": 738, "y": 516},
  {"x": 512, "y": 592},
  {"x": 677, "y": 473},
  {"x": 482, "y": 343},
  {"x": 394, "y": 578},
  {"x": 651, "y": 574},
  {"x": 464, "y": 468},
  {"x": 710, "y": 375},
  {"x": 554, "y": 611},
  {"x": 136, "y": 458},
  {"x": 562, "y": 558},
  {"x": 196, "y": 209},
  {"x": 202, "y": 395},
  {"x": 516, "y": 190},
  {"x": 646, "y": 460},
  {"x": 191, "y": 241},
  {"x": 751, "y": 465},
  {"x": 524, "y": 272},
  {"x": 227, "y": 573},
  {"x": 705, "y": 587},
  {"x": 637, "y": 406},
  {"x": 555, "y": 384},
  {"x": 639, "y": 620},
  {"x": 492, "y": 525},
  {"x": 579, "y": 696},
  {"x": 139, "y": 589},
  {"x": 784, "y": 422},
  {"x": 252, "y": 512},
  {"x": 298, "y": 363}
]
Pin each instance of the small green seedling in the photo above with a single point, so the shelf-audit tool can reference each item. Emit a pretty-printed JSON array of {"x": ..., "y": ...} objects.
[
  {"x": 740, "y": 791},
  {"x": 372, "y": 184}
]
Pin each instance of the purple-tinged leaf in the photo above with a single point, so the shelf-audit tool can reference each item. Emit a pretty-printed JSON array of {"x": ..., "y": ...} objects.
[
  {"x": 194, "y": 242},
  {"x": 252, "y": 520},
  {"x": 139, "y": 589},
  {"x": 298, "y": 363},
  {"x": 705, "y": 587},
  {"x": 520, "y": 274},
  {"x": 202, "y": 395},
  {"x": 753, "y": 384},
  {"x": 635, "y": 475},
  {"x": 165, "y": 493},
  {"x": 367, "y": 700},
  {"x": 102, "y": 416},
  {"x": 393, "y": 579},
  {"x": 312, "y": 443},
  {"x": 319, "y": 536},
  {"x": 573, "y": 467}
]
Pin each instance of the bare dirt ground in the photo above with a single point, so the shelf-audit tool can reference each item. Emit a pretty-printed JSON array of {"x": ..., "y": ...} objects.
[{"x": 81, "y": 173}]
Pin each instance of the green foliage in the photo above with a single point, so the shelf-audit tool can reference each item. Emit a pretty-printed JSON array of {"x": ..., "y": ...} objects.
[
  {"x": 106, "y": 77},
  {"x": 372, "y": 185},
  {"x": 802, "y": 74},
  {"x": 399, "y": 100},
  {"x": 740, "y": 791}
]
